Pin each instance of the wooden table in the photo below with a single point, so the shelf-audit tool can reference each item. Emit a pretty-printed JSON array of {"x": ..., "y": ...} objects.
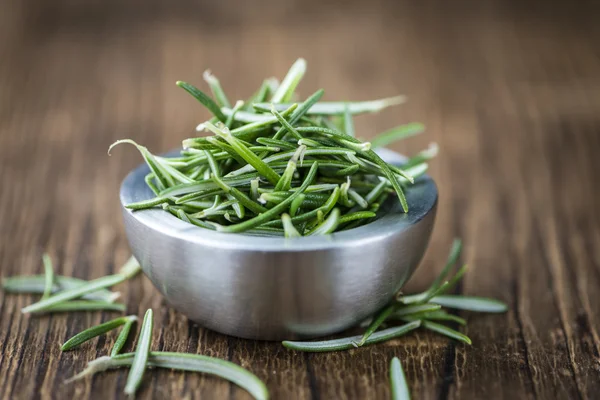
[{"x": 510, "y": 93}]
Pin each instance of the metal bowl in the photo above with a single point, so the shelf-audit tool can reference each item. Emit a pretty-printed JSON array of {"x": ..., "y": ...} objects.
[{"x": 274, "y": 288}]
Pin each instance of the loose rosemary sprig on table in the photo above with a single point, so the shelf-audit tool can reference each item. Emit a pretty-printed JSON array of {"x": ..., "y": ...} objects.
[
  {"x": 259, "y": 171},
  {"x": 65, "y": 294},
  {"x": 144, "y": 358}
]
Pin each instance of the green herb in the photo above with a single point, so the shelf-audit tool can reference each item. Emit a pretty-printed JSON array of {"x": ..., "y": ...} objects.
[
  {"x": 398, "y": 133},
  {"x": 377, "y": 321},
  {"x": 142, "y": 352},
  {"x": 339, "y": 108},
  {"x": 204, "y": 99},
  {"x": 128, "y": 270},
  {"x": 95, "y": 331},
  {"x": 48, "y": 276},
  {"x": 217, "y": 90},
  {"x": 81, "y": 305},
  {"x": 184, "y": 362},
  {"x": 285, "y": 91},
  {"x": 122, "y": 338},
  {"x": 289, "y": 228},
  {"x": 260, "y": 152},
  {"x": 444, "y": 330},
  {"x": 398, "y": 382},
  {"x": 470, "y": 303},
  {"x": 350, "y": 342}
]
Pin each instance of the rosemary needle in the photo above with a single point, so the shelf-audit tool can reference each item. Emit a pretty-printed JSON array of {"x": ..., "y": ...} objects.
[
  {"x": 349, "y": 342},
  {"x": 94, "y": 331},
  {"x": 398, "y": 383},
  {"x": 82, "y": 305},
  {"x": 140, "y": 359},
  {"x": 377, "y": 321},
  {"x": 49, "y": 276},
  {"x": 470, "y": 303},
  {"x": 122, "y": 338},
  {"x": 184, "y": 362}
]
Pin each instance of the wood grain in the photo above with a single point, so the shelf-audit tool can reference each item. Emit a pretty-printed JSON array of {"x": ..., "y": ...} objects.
[{"x": 511, "y": 93}]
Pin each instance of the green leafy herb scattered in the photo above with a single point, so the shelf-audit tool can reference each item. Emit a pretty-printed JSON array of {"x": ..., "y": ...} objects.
[
  {"x": 184, "y": 362},
  {"x": 128, "y": 270}
]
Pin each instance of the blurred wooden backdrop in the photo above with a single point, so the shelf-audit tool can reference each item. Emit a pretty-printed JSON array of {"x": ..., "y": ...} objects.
[{"x": 511, "y": 92}]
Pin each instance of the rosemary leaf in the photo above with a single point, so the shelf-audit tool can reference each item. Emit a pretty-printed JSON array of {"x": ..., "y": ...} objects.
[
  {"x": 163, "y": 177},
  {"x": 397, "y": 133},
  {"x": 349, "y": 342},
  {"x": 122, "y": 338},
  {"x": 289, "y": 229},
  {"x": 94, "y": 331},
  {"x": 444, "y": 330},
  {"x": 82, "y": 305},
  {"x": 327, "y": 226},
  {"x": 398, "y": 383},
  {"x": 204, "y": 99},
  {"x": 377, "y": 321},
  {"x": 348, "y": 123},
  {"x": 217, "y": 90},
  {"x": 142, "y": 352},
  {"x": 470, "y": 303},
  {"x": 442, "y": 315},
  {"x": 286, "y": 89},
  {"x": 338, "y": 108},
  {"x": 48, "y": 276}
]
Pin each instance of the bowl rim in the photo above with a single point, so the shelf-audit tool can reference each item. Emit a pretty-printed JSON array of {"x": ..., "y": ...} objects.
[{"x": 422, "y": 198}]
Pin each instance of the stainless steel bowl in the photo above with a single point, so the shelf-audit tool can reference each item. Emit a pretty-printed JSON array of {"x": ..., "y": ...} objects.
[{"x": 274, "y": 288}]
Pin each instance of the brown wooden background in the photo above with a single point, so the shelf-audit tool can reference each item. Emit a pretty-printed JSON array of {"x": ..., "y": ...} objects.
[{"x": 510, "y": 92}]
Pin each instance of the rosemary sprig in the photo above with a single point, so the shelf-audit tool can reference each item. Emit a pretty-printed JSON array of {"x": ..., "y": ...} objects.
[
  {"x": 271, "y": 144},
  {"x": 184, "y": 362},
  {"x": 130, "y": 268},
  {"x": 95, "y": 331}
]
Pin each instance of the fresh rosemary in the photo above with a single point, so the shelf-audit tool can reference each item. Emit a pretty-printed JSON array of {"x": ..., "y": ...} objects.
[
  {"x": 66, "y": 294},
  {"x": 95, "y": 331},
  {"x": 264, "y": 156},
  {"x": 144, "y": 358},
  {"x": 398, "y": 384}
]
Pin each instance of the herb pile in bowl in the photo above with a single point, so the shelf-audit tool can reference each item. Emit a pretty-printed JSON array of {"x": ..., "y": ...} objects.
[{"x": 277, "y": 167}]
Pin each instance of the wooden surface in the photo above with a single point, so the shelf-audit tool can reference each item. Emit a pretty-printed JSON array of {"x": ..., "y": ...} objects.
[{"x": 510, "y": 93}]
